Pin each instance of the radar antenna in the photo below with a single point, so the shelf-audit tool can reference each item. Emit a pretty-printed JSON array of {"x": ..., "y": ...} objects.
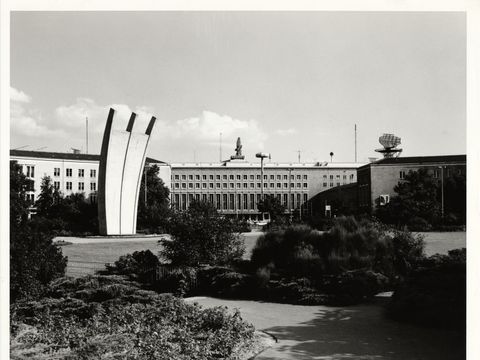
[{"x": 389, "y": 143}]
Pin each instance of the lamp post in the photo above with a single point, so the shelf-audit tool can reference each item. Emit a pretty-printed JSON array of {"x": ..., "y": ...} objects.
[
  {"x": 262, "y": 156},
  {"x": 441, "y": 175}
]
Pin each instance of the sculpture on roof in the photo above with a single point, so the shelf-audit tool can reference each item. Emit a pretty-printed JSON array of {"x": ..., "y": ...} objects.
[{"x": 238, "y": 151}]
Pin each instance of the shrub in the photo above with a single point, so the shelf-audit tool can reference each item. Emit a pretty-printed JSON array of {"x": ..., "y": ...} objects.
[
  {"x": 160, "y": 326},
  {"x": 140, "y": 266},
  {"x": 435, "y": 293},
  {"x": 200, "y": 236}
]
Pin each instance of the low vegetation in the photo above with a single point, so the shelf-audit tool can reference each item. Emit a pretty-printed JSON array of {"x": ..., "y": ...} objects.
[{"x": 109, "y": 317}]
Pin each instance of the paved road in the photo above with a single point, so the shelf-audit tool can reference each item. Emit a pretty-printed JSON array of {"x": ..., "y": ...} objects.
[{"x": 330, "y": 333}]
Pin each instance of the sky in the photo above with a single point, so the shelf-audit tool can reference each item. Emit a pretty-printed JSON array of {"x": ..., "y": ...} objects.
[{"x": 282, "y": 81}]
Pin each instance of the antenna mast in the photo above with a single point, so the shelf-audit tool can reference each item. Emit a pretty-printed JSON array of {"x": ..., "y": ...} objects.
[
  {"x": 355, "y": 142},
  {"x": 220, "y": 147},
  {"x": 299, "y": 154},
  {"x": 86, "y": 131}
]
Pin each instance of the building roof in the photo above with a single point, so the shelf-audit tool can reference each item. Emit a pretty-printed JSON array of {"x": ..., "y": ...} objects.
[
  {"x": 419, "y": 160},
  {"x": 66, "y": 156},
  {"x": 267, "y": 165}
]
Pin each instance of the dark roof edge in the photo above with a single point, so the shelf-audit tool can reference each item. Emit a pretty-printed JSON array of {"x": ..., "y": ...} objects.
[
  {"x": 418, "y": 160},
  {"x": 67, "y": 156}
]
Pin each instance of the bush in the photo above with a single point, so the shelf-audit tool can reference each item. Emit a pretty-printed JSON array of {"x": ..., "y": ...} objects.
[
  {"x": 435, "y": 293},
  {"x": 34, "y": 262},
  {"x": 139, "y": 266},
  {"x": 200, "y": 236},
  {"x": 157, "y": 326}
]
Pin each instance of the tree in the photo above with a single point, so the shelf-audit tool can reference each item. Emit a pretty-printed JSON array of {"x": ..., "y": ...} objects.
[
  {"x": 19, "y": 184},
  {"x": 200, "y": 235},
  {"x": 153, "y": 213},
  {"x": 272, "y": 205},
  {"x": 48, "y": 197},
  {"x": 34, "y": 259},
  {"x": 417, "y": 202}
]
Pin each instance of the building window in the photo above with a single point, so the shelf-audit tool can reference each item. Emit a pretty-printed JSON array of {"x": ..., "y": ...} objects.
[
  {"x": 351, "y": 176},
  {"x": 344, "y": 177},
  {"x": 190, "y": 177},
  {"x": 299, "y": 177},
  {"x": 68, "y": 185},
  {"x": 190, "y": 185},
  {"x": 232, "y": 201},
  {"x": 232, "y": 177},
  {"x": 211, "y": 185},
  {"x": 30, "y": 171},
  {"x": 177, "y": 200},
  {"x": 252, "y": 201},
  {"x": 338, "y": 176},
  {"x": 265, "y": 177},
  {"x": 279, "y": 185},
  {"x": 292, "y": 177},
  {"x": 232, "y": 185},
  {"x": 325, "y": 184},
  {"x": 56, "y": 172},
  {"x": 305, "y": 198},
  {"x": 292, "y": 185},
  {"x": 225, "y": 204},
  {"x": 211, "y": 178},
  {"x": 93, "y": 198},
  {"x": 285, "y": 185},
  {"x": 285, "y": 199},
  {"x": 93, "y": 173},
  {"x": 197, "y": 197},
  {"x": 177, "y": 177},
  {"x": 252, "y": 177},
  {"x": 204, "y": 185},
  {"x": 224, "y": 177},
  {"x": 204, "y": 177},
  {"x": 265, "y": 185},
  {"x": 239, "y": 185},
  {"x": 56, "y": 185},
  {"x": 210, "y": 198},
  {"x": 402, "y": 174},
  {"x": 279, "y": 177},
  {"x": 338, "y": 184},
  {"x": 245, "y": 201},
  {"x": 218, "y": 177},
  {"x": 197, "y": 177},
  {"x": 93, "y": 186},
  {"x": 81, "y": 186},
  {"x": 184, "y": 177},
  {"x": 245, "y": 177},
  {"x": 259, "y": 185},
  {"x": 305, "y": 185},
  {"x": 436, "y": 173},
  {"x": 218, "y": 185},
  {"x": 239, "y": 177},
  {"x": 258, "y": 177},
  {"x": 324, "y": 176},
  {"x": 184, "y": 201},
  {"x": 177, "y": 185},
  {"x": 69, "y": 172},
  {"x": 331, "y": 177},
  {"x": 331, "y": 184},
  {"x": 299, "y": 185},
  {"x": 184, "y": 186},
  {"x": 305, "y": 177},
  {"x": 272, "y": 177},
  {"x": 225, "y": 185},
  {"x": 197, "y": 185},
  {"x": 81, "y": 173},
  {"x": 272, "y": 185},
  {"x": 252, "y": 185},
  {"x": 245, "y": 185},
  {"x": 217, "y": 201}
]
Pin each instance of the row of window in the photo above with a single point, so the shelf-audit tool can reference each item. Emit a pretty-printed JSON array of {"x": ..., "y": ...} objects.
[
  {"x": 239, "y": 177},
  {"x": 81, "y": 185},
  {"x": 69, "y": 172},
  {"x": 238, "y": 186},
  {"x": 237, "y": 201}
]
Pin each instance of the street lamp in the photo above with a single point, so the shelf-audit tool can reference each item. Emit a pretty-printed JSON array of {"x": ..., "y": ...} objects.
[
  {"x": 441, "y": 174},
  {"x": 262, "y": 156}
]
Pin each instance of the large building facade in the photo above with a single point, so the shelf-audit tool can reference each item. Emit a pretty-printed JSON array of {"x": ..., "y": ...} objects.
[
  {"x": 70, "y": 172},
  {"x": 235, "y": 186}
]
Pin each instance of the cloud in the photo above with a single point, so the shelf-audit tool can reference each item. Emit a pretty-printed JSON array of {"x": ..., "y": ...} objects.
[
  {"x": 172, "y": 139},
  {"x": 19, "y": 96},
  {"x": 285, "y": 132}
]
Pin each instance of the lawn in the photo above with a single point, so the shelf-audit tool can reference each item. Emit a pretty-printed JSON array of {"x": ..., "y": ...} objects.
[{"x": 85, "y": 258}]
